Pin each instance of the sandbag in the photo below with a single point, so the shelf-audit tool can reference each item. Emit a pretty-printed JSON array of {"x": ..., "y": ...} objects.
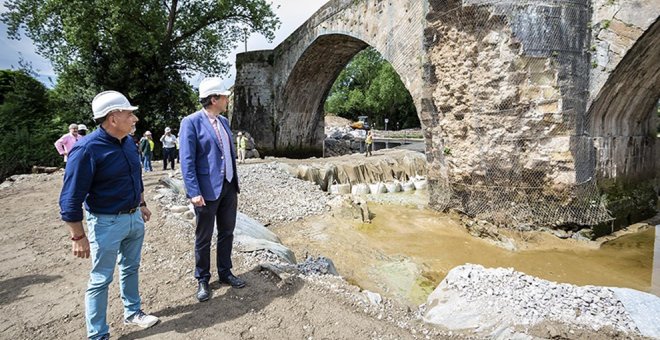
[
  {"x": 340, "y": 189},
  {"x": 393, "y": 186},
  {"x": 421, "y": 183},
  {"x": 377, "y": 188},
  {"x": 360, "y": 189},
  {"x": 408, "y": 186}
]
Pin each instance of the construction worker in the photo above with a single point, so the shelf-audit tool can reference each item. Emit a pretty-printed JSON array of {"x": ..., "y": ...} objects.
[
  {"x": 241, "y": 142},
  {"x": 369, "y": 143}
]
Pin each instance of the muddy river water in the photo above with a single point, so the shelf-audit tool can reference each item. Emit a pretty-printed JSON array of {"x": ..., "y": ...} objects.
[{"x": 406, "y": 251}]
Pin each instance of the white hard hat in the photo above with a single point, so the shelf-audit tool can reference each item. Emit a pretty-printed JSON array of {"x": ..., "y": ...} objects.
[
  {"x": 212, "y": 86},
  {"x": 107, "y": 101},
  {"x": 240, "y": 133},
  {"x": 167, "y": 129},
  {"x": 148, "y": 133},
  {"x": 82, "y": 127}
]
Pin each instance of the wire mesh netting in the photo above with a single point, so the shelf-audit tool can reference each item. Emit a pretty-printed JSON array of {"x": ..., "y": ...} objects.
[{"x": 511, "y": 88}]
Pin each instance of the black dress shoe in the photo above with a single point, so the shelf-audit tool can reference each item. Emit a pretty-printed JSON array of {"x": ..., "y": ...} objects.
[
  {"x": 203, "y": 291},
  {"x": 233, "y": 281}
]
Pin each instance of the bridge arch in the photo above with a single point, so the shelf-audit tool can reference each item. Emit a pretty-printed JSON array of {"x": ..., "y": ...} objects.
[
  {"x": 509, "y": 81},
  {"x": 622, "y": 117},
  {"x": 286, "y": 87}
]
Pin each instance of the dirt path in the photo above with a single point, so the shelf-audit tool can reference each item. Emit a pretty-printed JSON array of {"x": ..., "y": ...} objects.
[{"x": 42, "y": 285}]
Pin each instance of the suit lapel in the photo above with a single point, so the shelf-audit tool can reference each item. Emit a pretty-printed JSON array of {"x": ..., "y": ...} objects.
[{"x": 209, "y": 128}]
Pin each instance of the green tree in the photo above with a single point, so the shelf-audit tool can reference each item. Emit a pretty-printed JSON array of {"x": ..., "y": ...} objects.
[
  {"x": 370, "y": 86},
  {"x": 144, "y": 49},
  {"x": 27, "y": 125}
]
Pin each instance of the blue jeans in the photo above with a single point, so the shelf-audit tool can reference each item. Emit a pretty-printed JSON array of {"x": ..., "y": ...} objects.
[
  {"x": 146, "y": 162},
  {"x": 112, "y": 236}
]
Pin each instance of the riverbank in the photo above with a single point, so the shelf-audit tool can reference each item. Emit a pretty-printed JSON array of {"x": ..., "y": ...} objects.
[{"x": 42, "y": 285}]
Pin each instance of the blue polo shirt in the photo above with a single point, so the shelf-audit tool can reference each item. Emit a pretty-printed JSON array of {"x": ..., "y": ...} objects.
[{"x": 104, "y": 173}]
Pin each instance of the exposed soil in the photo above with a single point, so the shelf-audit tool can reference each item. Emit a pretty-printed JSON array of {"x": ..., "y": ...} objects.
[{"x": 42, "y": 285}]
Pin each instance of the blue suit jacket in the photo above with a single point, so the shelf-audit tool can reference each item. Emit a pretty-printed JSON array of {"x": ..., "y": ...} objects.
[{"x": 202, "y": 161}]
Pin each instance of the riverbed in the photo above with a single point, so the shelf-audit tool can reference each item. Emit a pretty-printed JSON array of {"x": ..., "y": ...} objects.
[{"x": 406, "y": 251}]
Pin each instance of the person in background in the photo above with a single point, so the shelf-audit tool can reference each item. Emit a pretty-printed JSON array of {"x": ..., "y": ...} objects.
[
  {"x": 103, "y": 173},
  {"x": 169, "y": 147},
  {"x": 82, "y": 130},
  {"x": 66, "y": 142},
  {"x": 208, "y": 167},
  {"x": 177, "y": 150},
  {"x": 241, "y": 143},
  {"x": 146, "y": 151},
  {"x": 368, "y": 142}
]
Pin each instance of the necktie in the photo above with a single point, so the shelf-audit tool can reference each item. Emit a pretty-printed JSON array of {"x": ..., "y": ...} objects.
[{"x": 226, "y": 151}]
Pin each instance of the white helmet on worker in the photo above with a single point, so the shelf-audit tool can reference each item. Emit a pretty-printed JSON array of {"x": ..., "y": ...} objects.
[
  {"x": 212, "y": 86},
  {"x": 82, "y": 127},
  {"x": 107, "y": 101}
]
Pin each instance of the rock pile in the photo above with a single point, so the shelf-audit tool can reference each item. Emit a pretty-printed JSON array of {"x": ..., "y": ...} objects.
[
  {"x": 343, "y": 140},
  {"x": 490, "y": 301},
  {"x": 272, "y": 196},
  {"x": 268, "y": 194}
]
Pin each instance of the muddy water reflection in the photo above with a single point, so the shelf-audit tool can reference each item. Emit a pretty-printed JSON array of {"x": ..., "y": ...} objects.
[{"x": 405, "y": 252}]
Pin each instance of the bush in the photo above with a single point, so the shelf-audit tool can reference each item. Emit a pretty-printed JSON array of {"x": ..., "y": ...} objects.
[{"x": 27, "y": 125}]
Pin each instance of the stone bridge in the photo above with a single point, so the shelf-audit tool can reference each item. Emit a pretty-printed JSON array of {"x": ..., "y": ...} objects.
[{"x": 531, "y": 109}]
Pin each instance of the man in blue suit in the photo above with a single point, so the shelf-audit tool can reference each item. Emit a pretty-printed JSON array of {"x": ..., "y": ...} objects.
[{"x": 208, "y": 165}]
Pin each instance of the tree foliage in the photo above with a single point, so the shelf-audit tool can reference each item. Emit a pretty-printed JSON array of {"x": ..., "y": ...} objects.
[
  {"x": 144, "y": 49},
  {"x": 27, "y": 125},
  {"x": 370, "y": 86}
]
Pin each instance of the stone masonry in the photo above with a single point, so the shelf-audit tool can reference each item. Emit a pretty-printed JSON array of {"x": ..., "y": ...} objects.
[{"x": 528, "y": 107}]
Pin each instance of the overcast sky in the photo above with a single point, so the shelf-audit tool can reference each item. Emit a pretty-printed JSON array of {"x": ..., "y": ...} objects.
[{"x": 292, "y": 14}]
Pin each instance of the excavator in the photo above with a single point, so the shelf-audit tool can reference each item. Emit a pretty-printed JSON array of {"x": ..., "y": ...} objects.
[{"x": 361, "y": 124}]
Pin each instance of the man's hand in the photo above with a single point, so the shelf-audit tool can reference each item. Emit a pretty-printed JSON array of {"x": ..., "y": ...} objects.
[
  {"x": 146, "y": 213},
  {"x": 65, "y": 153},
  {"x": 198, "y": 201},
  {"x": 80, "y": 248}
]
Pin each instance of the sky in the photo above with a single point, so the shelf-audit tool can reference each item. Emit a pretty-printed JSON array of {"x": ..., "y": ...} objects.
[{"x": 292, "y": 14}]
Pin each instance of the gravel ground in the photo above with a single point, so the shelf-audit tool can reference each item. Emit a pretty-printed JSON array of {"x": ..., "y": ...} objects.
[
  {"x": 507, "y": 298},
  {"x": 271, "y": 196}
]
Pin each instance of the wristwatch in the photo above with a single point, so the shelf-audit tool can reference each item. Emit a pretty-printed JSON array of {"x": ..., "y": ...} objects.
[{"x": 143, "y": 204}]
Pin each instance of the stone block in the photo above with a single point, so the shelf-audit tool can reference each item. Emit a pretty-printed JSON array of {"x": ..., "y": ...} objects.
[
  {"x": 618, "y": 44},
  {"x": 549, "y": 107},
  {"x": 621, "y": 29},
  {"x": 603, "y": 10},
  {"x": 551, "y": 93},
  {"x": 640, "y": 13},
  {"x": 543, "y": 79}
]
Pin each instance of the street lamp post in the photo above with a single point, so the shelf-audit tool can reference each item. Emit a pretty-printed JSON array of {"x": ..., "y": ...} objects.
[
  {"x": 245, "y": 34},
  {"x": 387, "y": 146}
]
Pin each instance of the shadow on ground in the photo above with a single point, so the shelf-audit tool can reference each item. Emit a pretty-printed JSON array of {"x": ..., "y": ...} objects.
[
  {"x": 263, "y": 287},
  {"x": 12, "y": 289}
]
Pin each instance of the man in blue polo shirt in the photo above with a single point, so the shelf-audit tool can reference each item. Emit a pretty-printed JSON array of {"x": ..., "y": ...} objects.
[{"x": 103, "y": 172}]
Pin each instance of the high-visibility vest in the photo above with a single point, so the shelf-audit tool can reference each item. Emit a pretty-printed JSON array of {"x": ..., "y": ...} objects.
[{"x": 242, "y": 142}]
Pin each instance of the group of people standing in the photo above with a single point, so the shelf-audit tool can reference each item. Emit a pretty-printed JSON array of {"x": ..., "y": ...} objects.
[
  {"x": 103, "y": 184},
  {"x": 170, "y": 149}
]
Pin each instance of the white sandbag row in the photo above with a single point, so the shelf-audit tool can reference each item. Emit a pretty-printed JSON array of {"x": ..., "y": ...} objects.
[{"x": 415, "y": 183}]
